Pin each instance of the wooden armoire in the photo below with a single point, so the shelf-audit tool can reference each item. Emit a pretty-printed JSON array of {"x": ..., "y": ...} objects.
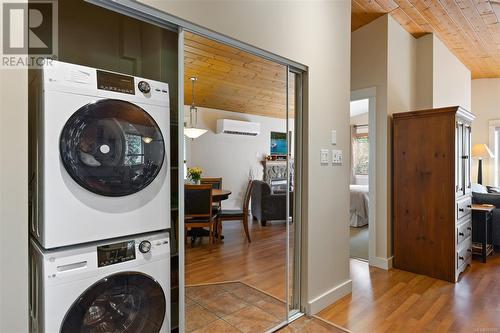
[{"x": 432, "y": 191}]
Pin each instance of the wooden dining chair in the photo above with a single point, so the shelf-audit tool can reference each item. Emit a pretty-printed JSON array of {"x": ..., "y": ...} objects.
[
  {"x": 216, "y": 183},
  {"x": 236, "y": 214},
  {"x": 198, "y": 210}
]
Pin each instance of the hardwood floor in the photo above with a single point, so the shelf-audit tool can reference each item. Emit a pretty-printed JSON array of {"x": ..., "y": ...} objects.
[
  {"x": 400, "y": 301},
  {"x": 260, "y": 263},
  {"x": 381, "y": 301}
]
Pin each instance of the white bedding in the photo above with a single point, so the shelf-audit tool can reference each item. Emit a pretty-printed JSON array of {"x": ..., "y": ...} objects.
[{"x": 359, "y": 205}]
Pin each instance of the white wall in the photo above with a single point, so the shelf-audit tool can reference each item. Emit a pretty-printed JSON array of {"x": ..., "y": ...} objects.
[
  {"x": 317, "y": 34},
  {"x": 442, "y": 79},
  {"x": 13, "y": 201},
  {"x": 369, "y": 56},
  {"x": 486, "y": 107},
  {"x": 425, "y": 71},
  {"x": 451, "y": 79},
  {"x": 231, "y": 156}
]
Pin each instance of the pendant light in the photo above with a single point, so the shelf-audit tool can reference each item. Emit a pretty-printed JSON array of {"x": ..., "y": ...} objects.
[{"x": 191, "y": 131}]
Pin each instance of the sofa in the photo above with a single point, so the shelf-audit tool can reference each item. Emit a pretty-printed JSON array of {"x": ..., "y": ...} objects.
[
  {"x": 267, "y": 206},
  {"x": 480, "y": 195}
]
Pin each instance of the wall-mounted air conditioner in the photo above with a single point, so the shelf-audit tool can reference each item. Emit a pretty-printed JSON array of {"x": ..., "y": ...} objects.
[{"x": 228, "y": 126}]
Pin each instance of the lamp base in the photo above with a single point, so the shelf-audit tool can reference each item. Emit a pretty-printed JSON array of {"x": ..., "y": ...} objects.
[{"x": 480, "y": 172}]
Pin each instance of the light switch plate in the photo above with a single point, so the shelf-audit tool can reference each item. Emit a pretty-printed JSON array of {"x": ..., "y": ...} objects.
[
  {"x": 334, "y": 137},
  {"x": 337, "y": 157},
  {"x": 324, "y": 156}
]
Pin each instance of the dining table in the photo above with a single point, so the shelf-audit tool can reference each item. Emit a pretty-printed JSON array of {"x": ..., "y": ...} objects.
[{"x": 220, "y": 194}]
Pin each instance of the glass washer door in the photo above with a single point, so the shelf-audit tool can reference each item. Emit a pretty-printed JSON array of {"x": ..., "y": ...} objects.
[
  {"x": 112, "y": 147},
  {"x": 128, "y": 302}
]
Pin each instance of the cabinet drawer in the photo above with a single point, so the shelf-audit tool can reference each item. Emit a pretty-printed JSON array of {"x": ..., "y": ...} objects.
[
  {"x": 464, "y": 207},
  {"x": 464, "y": 254},
  {"x": 464, "y": 230}
]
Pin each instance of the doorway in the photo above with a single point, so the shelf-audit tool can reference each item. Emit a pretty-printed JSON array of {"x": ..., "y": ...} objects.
[
  {"x": 362, "y": 216},
  {"x": 241, "y": 258}
]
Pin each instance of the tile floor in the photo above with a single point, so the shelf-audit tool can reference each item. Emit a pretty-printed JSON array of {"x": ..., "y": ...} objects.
[
  {"x": 310, "y": 325},
  {"x": 237, "y": 307}
]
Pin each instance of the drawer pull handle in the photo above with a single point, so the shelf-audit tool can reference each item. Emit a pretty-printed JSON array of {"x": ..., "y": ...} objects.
[
  {"x": 460, "y": 233},
  {"x": 461, "y": 258},
  {"x": 469, "y": 250},
  {"x": 460, "y": 209},
  {"x": 469, "y": 228},
  {"x": 469, "y": 206}
]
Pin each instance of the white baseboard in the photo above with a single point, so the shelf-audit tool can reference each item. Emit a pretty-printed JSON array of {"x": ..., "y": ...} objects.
[
  {"x": 383, "y": 263},
  {"x": 331, "y": 296}
]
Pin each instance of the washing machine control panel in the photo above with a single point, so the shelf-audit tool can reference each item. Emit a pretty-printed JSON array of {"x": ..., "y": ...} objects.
[
  {"x": 145, "y": 246},
  {"x": 116, "y": 82},
  {"x": 144, "y": 87},
  {"x": 116, "y": 253}
]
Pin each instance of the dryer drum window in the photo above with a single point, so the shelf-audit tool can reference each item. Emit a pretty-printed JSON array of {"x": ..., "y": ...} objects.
[
  {"x": 112, "y": 147},
  {"x": 128, "y": 302}
]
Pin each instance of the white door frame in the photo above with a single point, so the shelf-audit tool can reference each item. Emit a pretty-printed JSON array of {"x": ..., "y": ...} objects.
[{"x": 371, "y": 95}]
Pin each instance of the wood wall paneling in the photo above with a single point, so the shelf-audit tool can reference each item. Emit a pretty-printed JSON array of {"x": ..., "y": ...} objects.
[
  {"x": 233, "y": 80},
  {"x": 469, "y": 28}
]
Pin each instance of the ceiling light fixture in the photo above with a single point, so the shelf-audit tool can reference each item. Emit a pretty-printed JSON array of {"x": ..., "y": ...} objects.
[{"x": 191, "y": 131}]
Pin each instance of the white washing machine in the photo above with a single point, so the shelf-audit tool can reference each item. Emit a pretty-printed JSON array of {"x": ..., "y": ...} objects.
[
  {"x": 99, "y": 155},
  {"x": 120, "y": 286}
]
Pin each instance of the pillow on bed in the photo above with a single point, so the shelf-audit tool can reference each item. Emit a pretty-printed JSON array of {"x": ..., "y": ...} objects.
[
  {"x": 478, "y": 188},
  {"x": 493, "y": 189}
]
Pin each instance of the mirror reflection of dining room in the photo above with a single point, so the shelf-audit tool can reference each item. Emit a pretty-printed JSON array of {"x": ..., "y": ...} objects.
[{"x": 237, "y": 155}]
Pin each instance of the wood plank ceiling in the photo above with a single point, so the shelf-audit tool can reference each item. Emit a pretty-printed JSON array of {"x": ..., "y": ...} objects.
[
  {"x": 233, "y": 80},
  {"x": 469, "y": 28}
]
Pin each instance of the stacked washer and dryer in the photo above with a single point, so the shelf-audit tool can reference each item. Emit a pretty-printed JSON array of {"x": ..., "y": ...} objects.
[{"x": 99, "y": 202}]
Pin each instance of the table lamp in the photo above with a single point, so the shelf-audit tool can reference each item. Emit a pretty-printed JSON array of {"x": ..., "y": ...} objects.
[{"x": 481, "y": 151}]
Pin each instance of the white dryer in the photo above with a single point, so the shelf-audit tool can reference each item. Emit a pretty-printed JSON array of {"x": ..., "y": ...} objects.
[
  {"x": 99, "y": 155},
  {"x": 120, "y": 286}
]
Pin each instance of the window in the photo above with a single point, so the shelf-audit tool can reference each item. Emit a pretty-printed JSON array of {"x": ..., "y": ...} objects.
[
  {"x": 360, "y": 154},
  {"x": 134, "y": 152}
]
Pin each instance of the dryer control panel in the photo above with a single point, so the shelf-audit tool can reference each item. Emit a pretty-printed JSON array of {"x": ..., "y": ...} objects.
[{"x": 115, "y": 82}]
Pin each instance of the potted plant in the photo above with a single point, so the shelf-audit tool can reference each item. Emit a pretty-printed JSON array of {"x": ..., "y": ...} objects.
[{"x": 194, "y": 174}]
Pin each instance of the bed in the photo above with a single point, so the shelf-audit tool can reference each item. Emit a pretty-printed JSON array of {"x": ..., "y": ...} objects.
[{"x": 359, "y": 205}]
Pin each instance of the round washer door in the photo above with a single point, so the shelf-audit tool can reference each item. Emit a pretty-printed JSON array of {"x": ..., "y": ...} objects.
[
  {"x": 128, "y": 302},
  {"x": 112, "y": 147}
]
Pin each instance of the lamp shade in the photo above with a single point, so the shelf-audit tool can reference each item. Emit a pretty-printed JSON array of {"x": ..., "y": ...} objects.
[
  {"x": 193, "y": 133},
  {"x": 481, "y": 151}
]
